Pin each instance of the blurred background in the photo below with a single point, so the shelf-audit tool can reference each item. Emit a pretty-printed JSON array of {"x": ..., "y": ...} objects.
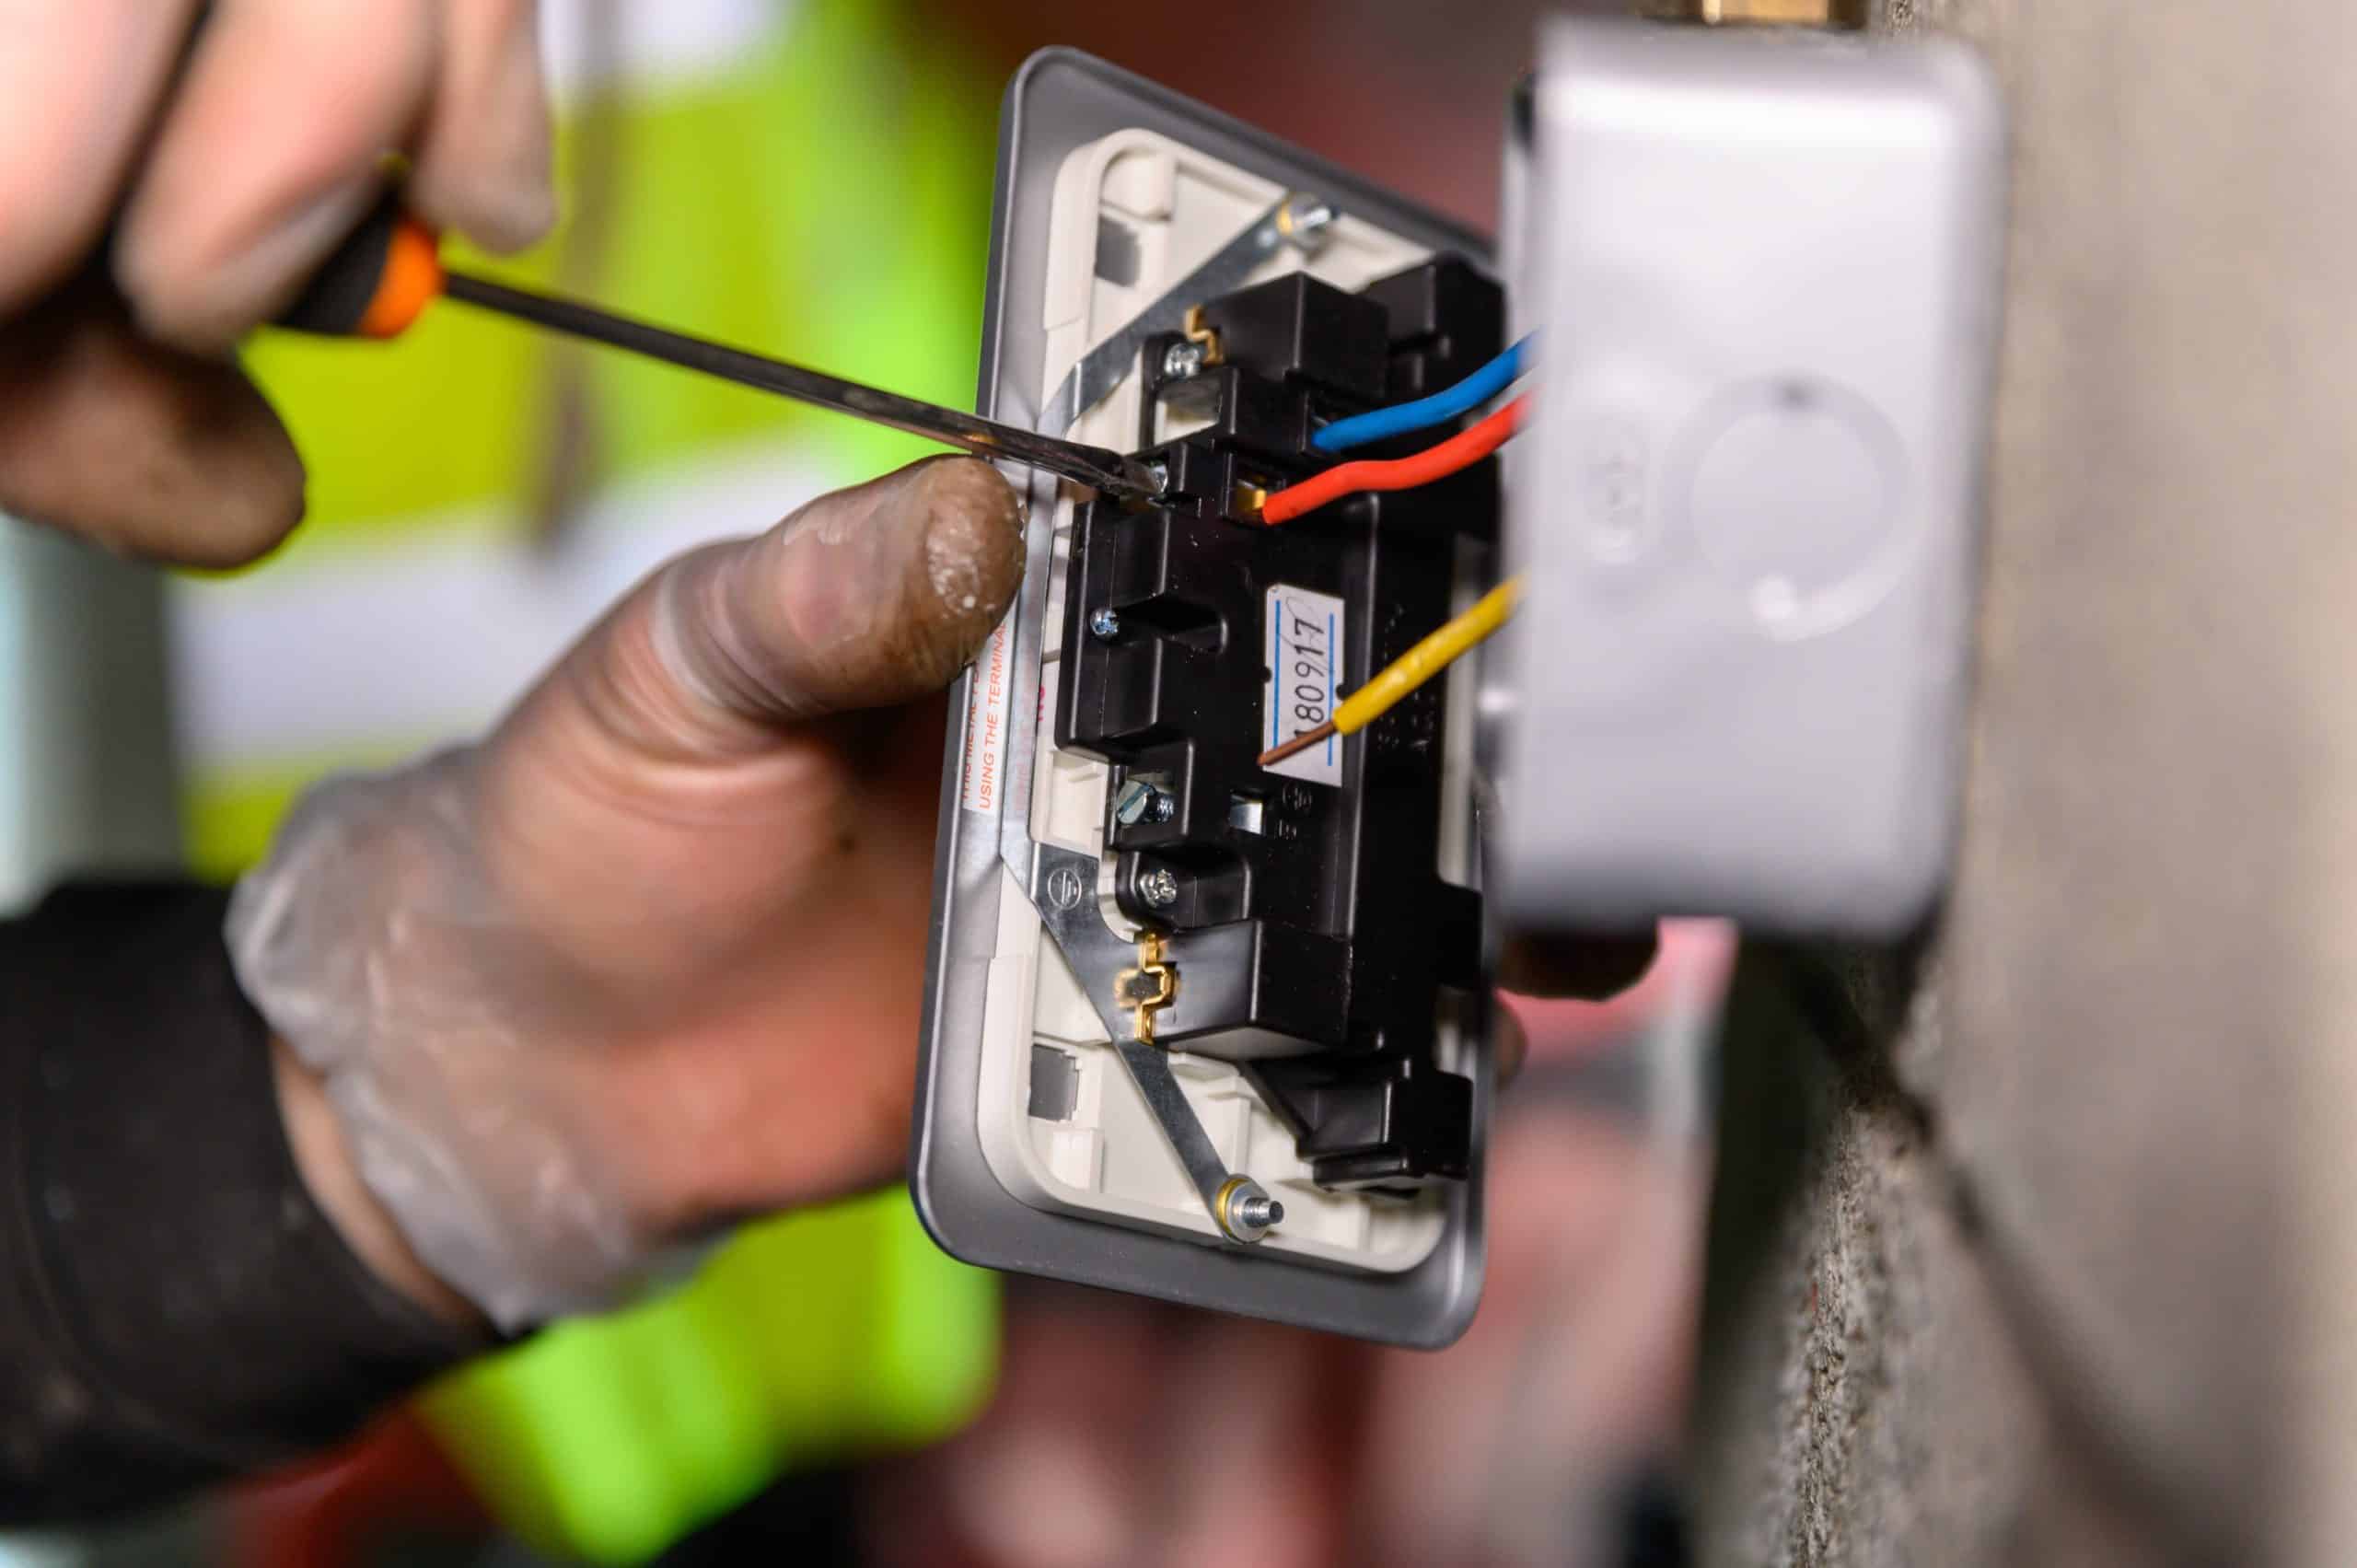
[{"x": 813, "y": 178}]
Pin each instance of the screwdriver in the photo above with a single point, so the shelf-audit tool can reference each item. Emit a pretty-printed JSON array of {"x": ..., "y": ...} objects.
[{"x": 382, "y": 277}]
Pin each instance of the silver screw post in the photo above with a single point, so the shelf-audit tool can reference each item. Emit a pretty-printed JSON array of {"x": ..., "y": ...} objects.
[
  {"x": 1305, "y": 219},
  {"x": 1246, "y": 1212}
]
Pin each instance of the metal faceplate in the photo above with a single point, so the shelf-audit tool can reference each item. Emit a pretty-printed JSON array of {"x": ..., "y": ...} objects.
[{"x": 1059, "y": 101}]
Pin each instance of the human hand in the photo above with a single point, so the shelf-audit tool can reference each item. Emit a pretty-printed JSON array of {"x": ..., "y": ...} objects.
[
  {"x": 212, "y": 191},
  {"x": 650, "y": 957}
]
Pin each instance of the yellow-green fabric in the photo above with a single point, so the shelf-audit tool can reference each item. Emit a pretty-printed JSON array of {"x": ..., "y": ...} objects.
[
  {"x": 826, "y": 197},
  {"x": 829, "y": 201},
  {"x": 827, "y": 1333}
]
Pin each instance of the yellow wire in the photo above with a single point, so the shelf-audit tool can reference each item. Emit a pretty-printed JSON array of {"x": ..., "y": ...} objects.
[{"x": 1427, "y": 659}]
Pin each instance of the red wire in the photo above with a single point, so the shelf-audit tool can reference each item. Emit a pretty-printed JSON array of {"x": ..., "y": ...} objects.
[{"x": 1458, "y": 452}]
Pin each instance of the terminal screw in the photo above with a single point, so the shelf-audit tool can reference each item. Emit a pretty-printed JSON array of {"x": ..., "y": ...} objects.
[
  {"x": 1104, "y": 624},
  {"x": 1140, "y": 802},
  {"x": 1158, "y": 888},
  {"x": 1184, "y": 361}
]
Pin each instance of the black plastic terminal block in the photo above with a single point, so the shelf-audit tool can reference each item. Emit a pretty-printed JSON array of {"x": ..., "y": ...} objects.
[{"x": 1315, "y": 939}]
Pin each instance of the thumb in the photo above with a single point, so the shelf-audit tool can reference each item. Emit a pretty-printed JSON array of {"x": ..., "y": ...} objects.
[{"x": 864, "y": 598}]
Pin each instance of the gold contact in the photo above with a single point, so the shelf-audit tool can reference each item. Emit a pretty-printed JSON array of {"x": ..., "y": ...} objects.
[
  {"x": 1146, "y": 989},
  {"x": 1199, "y": 332}
]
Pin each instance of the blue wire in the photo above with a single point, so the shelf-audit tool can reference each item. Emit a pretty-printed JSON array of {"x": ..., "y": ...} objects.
[{"x": 1425, "y": 413}]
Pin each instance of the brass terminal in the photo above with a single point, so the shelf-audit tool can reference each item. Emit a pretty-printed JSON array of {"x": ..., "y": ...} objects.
[
  {"x": 1153, "y": 984},
  {"x": 1200, "y": 333}
]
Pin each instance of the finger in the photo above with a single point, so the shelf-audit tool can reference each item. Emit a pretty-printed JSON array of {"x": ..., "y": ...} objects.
[
  {"x": 268, "y": 155},
  {"x": 78, "y": 80},
  {"x": 865, "y": 598},
  {"x": 148, "y": 451},
  {"x": 482, "y": 161},
  {"x": 1591, "y": 967}
]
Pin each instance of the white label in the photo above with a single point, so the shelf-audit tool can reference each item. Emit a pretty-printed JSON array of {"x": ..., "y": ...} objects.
[
  {"x": 1302, "y": 636},
  {"x": 986, "y": 721}
]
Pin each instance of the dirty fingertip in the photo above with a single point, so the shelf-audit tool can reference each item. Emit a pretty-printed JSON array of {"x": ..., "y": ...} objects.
[
  {"x": 141, "y": 449},
  {"x": 973, "y": 547}
]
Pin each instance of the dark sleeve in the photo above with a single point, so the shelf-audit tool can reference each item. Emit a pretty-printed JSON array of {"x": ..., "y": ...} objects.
[{"x": 174, "y": 1307}]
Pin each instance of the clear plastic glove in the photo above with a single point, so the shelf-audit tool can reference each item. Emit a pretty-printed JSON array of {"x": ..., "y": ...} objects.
[
  {"x": 222, "y": 183},
  {"x": 650, "y": 958}
]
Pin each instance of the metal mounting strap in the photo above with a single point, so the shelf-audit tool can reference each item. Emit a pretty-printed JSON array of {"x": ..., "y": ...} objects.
[
  {"x": 1063, "y": 890},
  {"x": 1110, "y": 363}
]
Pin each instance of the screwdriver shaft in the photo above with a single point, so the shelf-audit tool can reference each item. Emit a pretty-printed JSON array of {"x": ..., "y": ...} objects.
[{"x": 1106, "y": 471}]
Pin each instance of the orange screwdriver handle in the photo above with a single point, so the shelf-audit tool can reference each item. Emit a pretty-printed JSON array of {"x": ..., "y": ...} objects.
[{"x": 378, "y": 282}]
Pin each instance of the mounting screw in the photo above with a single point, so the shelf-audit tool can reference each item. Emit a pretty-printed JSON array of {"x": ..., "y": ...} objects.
[
  {"x": 1158, "y": 888},
  {"x": 1104, "y": 624},
  {"x": 1304, "y": 220},
  {"x": 1161, "y": 807},
  {"x": 1245, "y": 1210},
  {"x": 1262, "y": 1212},
  {"x": 1183, "y": 361}
]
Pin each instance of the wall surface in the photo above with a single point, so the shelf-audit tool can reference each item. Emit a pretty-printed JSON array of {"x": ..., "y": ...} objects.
[{"x": 2041, "y": 1244}]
